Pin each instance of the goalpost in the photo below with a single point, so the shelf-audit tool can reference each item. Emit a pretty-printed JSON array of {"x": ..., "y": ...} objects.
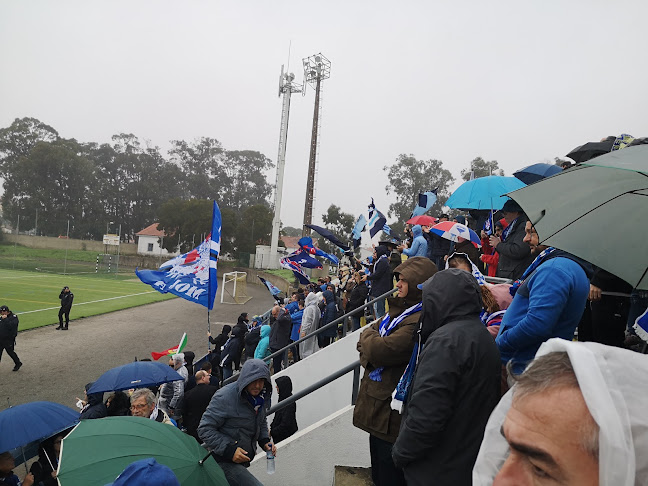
[{"x": 234, "y": 288}]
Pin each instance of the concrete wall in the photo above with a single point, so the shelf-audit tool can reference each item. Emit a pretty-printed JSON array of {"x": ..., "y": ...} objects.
[
  {"x": 332, "y": 397},
  {"x": 49, "y": 242},
  {"x": 310, "y": 456}
]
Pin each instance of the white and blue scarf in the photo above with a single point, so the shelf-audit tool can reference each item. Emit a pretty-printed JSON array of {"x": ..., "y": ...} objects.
[{"x": 387, "y": 325}]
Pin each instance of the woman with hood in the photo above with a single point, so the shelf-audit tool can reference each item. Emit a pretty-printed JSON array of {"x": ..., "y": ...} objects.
[
  {"x": 419, "y": 244},
  {"x": 284, "y": 423},
  {"x": 263, "y": 348},
  {"x": 44, "y": 469},
  {"x": 385, "y": 349},
  {"x": 310, "y": 322}
]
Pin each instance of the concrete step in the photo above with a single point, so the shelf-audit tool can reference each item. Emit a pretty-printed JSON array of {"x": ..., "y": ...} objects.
[{"x": 352, "y": 476}]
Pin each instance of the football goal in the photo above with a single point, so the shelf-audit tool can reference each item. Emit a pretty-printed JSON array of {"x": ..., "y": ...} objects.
[{"x": 234, "y": 288}]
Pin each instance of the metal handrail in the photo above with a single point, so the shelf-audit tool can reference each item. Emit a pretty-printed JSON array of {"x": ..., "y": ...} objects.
[
  {"x": 334, "y": 322},
  {"x": 355, "y": 367}
]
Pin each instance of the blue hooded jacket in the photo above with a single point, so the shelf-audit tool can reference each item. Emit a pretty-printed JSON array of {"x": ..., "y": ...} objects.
[
  {"x": 296, "y": 318},
  {"x": 263, "y": 348},
  {"x": 419, "y": 245}
]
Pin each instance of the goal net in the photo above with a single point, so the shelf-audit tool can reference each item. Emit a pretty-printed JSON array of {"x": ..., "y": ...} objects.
[
  {"x": 107, "y": 263},
  {"x": 234, "y": 288}
]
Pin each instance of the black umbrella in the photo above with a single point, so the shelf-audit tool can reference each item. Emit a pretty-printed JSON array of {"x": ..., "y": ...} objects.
[{"x": 590, "y": 150}]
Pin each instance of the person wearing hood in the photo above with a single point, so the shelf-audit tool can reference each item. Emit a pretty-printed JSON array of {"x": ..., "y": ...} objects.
[
  {"x": 218, "y": 342},
  {"x": 95, "y": 407},
  {"x": 296, "y": 318},
  {"x": 172, "y": 393},
  {"x": 263, "y": 348},
  {"x": 310, "y": 322},
  {"x": 231, "y": 353},
  {"x": 575, "y": 416},
  {"x": 252, "y": 338},
  {"x": 549, "y": 300},
  {"x": 456, "y": 385},
  {"x": 284, "y": 423},
  {"x": 419, "y": 244},
  {"x": 385, "y": 349},
  {"x": 44, "y": 469},
  {"x": 382, "y": 278},
  {"x": 235, "y": 422}
]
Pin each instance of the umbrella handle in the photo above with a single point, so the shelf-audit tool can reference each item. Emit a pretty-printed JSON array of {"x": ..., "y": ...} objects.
[{"x": 202, "y": 461}]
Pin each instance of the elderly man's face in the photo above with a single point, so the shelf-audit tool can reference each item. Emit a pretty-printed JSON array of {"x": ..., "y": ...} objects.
[
  {"x": 139, "y": 408},
  {"x": 545, "y": 436}
]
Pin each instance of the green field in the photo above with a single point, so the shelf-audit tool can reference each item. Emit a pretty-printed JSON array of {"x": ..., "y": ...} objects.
[{"x": 34, "y": 295}]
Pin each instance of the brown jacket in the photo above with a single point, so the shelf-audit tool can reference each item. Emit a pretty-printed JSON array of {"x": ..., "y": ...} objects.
[{"x": 372, "y": 411}]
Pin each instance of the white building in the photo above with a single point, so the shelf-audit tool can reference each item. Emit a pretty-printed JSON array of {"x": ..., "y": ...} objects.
[{"x": 149, "y": 241}]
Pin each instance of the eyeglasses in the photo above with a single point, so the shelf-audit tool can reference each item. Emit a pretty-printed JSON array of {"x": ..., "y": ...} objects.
[{"x": 138, "y": 406}]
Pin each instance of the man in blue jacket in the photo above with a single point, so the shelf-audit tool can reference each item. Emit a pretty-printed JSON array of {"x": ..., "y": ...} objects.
[
  {"x": 419, "y": 244},
  {"x": 235, "y": 422},
  {"x": 548, "y": 302}
]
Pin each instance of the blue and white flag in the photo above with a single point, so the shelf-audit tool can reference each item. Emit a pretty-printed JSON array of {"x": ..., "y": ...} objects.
[
  {"x": 303, "y": 259},
  {"x": 274, "y": 290},
  {"x": 489, "y": 225},
  {"x": 377, "y": 220},
  {"x": 359, "y": 227},
  {"x": 641, "y": 326},
  {"x": 192, "y": 276},
  {"x": 425, "y": 202}
]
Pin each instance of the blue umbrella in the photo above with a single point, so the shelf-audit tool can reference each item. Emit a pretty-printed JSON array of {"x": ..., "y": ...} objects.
[
  {"x": 483, "y": 193},
  {"x": 537, "y": 172},
  {"x": 32, "y": 422},
  {"x": 139, "y": 374}
]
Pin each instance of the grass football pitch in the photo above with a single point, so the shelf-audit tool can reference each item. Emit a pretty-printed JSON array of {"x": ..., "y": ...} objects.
[{"x": 33, "y": 296}]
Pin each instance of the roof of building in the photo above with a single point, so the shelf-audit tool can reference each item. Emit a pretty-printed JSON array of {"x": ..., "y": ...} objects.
[{"x": 151, "y": 231}]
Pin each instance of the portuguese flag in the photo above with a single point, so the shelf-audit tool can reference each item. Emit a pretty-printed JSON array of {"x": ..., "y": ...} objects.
[{"x": 174, "y": 350}]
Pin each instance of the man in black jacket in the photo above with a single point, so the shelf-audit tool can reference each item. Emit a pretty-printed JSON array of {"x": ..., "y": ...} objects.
[
  {"x": 280, "y": 330},
  {"x": 66, "y": 305},
  {"x": 455, "y": 387},
  {"x": 195, "y": 403},
  {"x": 382, "y": 278},
  {"x": 8, "y": 333},
  {"x": 514, "y": 253}
]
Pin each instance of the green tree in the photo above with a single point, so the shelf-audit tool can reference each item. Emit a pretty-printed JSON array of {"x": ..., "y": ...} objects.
[
  {"x": 185, "y": 222},
  {"x": 19, "y": 139},
  {"x": 254, "y": 228},
  {"x": 340, "y": 224},
  {"x": 481, "y": 168},
  {"x": 202, "y": 166},
  {"x": 407, "y": 178},
  {"x": 248, "y": 185},
  {"x": 291, "y": 231}
]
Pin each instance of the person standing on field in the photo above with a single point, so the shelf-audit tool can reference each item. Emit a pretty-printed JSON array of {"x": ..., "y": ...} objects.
[
  {"x": 66, "y": 304},
  {"x": 8, "y": 333}
]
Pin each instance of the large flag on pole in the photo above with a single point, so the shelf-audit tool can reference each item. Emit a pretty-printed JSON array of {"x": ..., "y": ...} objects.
[
  {"x": 192, "y": 276},
  {"x": 329, "y": 236},
  {"x": 377, "y": 220},
  {"x": 306, "y": 244},
  {"x": 359, "y": 227}
]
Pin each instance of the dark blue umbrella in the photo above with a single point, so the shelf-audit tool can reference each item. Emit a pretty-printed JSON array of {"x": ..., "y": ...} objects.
[
  {"x": 537, "y": 172},
  {"x": 32, "y": 422},
  {"x": 139, "y": 374}
]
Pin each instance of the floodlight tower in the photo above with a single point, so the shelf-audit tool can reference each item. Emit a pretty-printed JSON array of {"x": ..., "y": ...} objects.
[
  {"x": 287, "y": 86},
  {"x": 316, "y": 69}
]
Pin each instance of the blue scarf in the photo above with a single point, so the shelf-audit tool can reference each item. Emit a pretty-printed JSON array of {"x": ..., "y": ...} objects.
[
  {"x": 256, "y": 402},
  {"x": 535, "y": 264},
  {"x": 508, "y": 229},
  {"x": 400, "y": 393},
  {"x": 387, "y": 325}
]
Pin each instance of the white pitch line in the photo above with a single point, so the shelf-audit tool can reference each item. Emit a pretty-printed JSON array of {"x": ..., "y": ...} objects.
[{"x": 90, "y": 302}]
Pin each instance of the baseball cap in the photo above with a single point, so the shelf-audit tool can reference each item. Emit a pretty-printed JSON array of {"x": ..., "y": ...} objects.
[
  {"x": 4, "y": 308},
  {"x": 146, "y": 472}
]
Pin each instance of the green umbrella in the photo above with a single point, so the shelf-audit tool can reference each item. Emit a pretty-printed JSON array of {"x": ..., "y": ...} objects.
[
  {"x": 97, "y": 451},
  {"x": 596, "y": 211}
]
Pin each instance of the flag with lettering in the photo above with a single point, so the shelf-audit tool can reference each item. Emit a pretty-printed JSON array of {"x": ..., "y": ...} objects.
[{"x": 192, "y": 276}]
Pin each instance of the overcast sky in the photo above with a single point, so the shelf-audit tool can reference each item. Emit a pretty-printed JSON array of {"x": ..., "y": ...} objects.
[{"x": 515, "y": 81}]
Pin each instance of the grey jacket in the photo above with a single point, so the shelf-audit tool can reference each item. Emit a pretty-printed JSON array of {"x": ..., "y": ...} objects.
[
  {"x": 172, "y": 393},
  {"x": 230, "y": 421}
]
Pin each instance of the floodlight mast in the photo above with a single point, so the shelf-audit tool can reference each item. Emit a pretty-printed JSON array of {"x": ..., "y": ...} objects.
[
  {"x": 317, "y": 68},
  {"x": 287, "y": 86}
]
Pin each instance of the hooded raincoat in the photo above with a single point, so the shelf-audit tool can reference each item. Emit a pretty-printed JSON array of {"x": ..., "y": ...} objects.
[
  {"x": 373, "y": 411},
  {"x": 310, "y": 322},
  {"x": 455, "y": 387},
  {"x": 419, "y": 245},
  {"x": 231, "y": 421},
  {"x": 284, "y": 423},
  {"x": 608, "y": 379}
]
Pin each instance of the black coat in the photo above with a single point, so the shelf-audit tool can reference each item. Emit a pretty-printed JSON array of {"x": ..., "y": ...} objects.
[
  {"x": 9, "y": 328},
  {"x": 194, "y": 404},
  {"x": 96, "y": 408},
  {"x": 357, "y": 298},
  {"x": 455, "y": 387},
  {"x": 251, "y": 339},
  {"x": 280, "y": 330},
  {"x": 437, "y": 245},
  {"x": 284, "y": 423},
  {"x": 514, "y": 254},
  {"x": 232, "y": 350},
  {"x": 66, "y": 300},
  {"x": 382, "y": 278}
]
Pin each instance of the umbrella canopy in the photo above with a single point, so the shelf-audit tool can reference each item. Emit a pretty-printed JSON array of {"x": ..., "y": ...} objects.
[
  {"x": 139, "y": 374},
  {"x": 595, "y": 211},
  {"x": 35, "y": 421},
  {"x": 451, "y": 231},
  {"x": 483, "y": 193},
  {"x": 423, "y": 220},
  {"x": 590, "y": 150},
  {"x": 537, "y": 172},
  {"x": 97, "y": 451}
]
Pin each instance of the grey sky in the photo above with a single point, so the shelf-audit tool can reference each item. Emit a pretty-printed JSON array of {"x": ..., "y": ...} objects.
[{"x": 516, "y": 81}]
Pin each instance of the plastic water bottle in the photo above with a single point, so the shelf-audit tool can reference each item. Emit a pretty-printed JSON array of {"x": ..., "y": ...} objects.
[{"x": 270, "y": 467}]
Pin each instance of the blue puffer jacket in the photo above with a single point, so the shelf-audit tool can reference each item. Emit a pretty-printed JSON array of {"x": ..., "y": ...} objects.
[
  {"x": 548, "y": 304},
  {"x": 230, "y": 421},
  {"x": 296, "y": 318},
  {"x": 419, "y": 245}
]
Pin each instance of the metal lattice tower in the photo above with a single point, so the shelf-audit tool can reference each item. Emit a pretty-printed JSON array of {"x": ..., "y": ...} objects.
[
  {"x": 317, "y": 68},
  {"x": 286, "y": 88}
]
